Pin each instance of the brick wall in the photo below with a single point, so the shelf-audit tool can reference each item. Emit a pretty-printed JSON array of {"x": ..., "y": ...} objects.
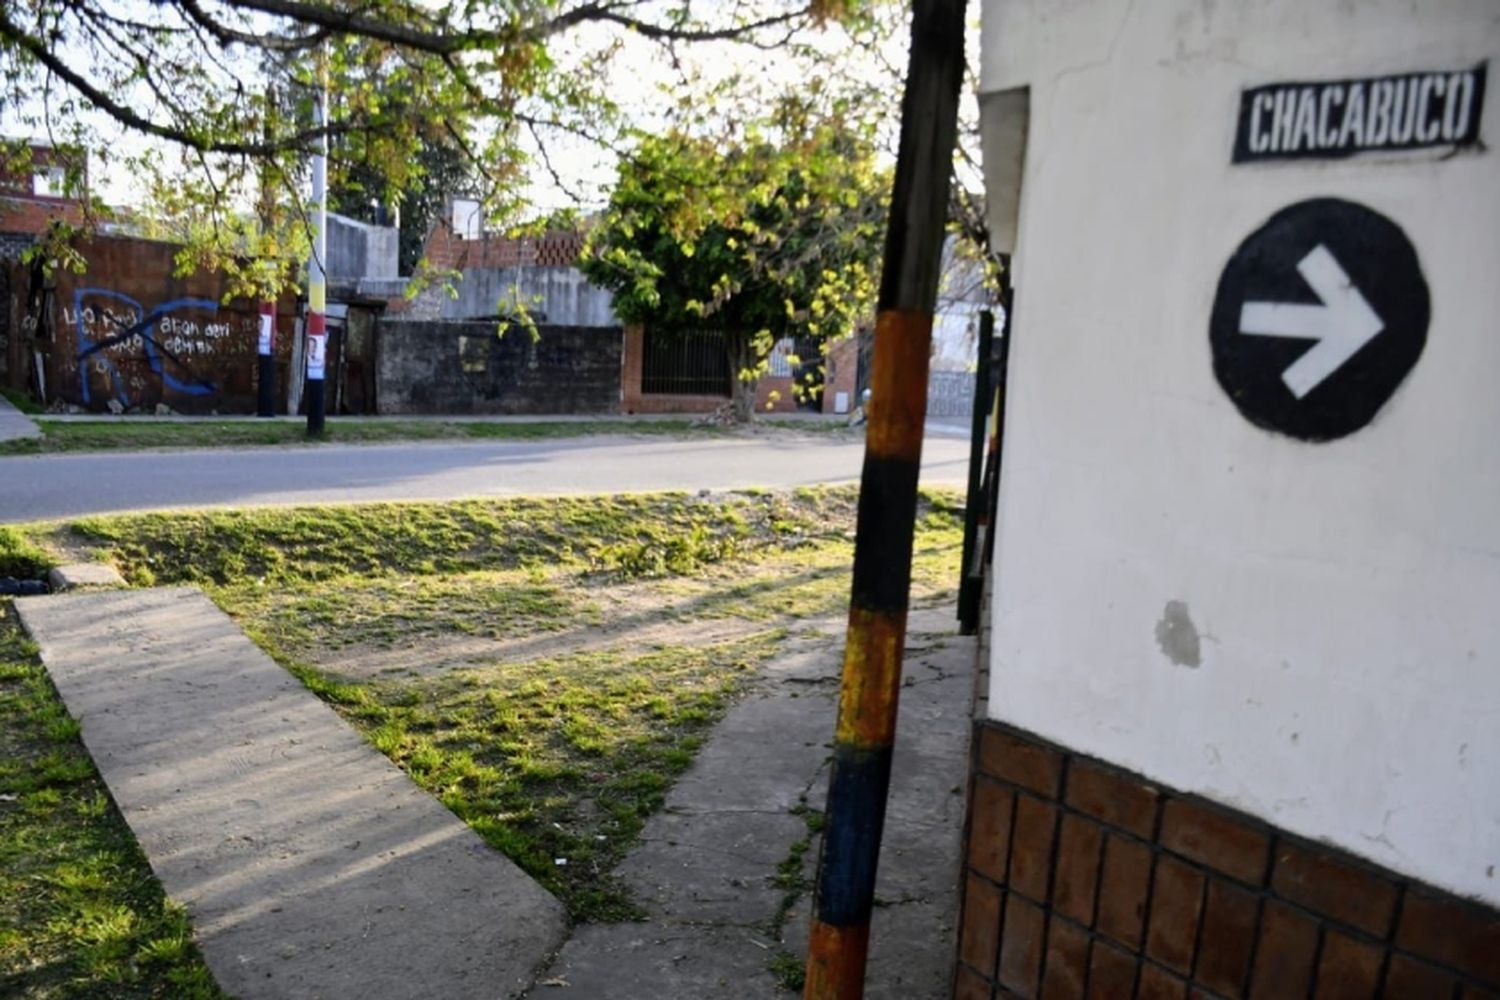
[
  {"x": 32, "y": 215},
  {"x": 201, "y": 354},
  {"x": 1083, "y": 880},
  {"x": 843, "y": 369},
  {"x": 632, "y": 400},
  {"x": 785, "y": 399},
  {"x": 843, "y": 373},
  {"x": 446, "y": 249}
]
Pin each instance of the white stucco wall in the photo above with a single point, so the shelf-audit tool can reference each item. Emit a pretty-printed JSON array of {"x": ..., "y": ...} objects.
[{"x": 1346, "y": 594}]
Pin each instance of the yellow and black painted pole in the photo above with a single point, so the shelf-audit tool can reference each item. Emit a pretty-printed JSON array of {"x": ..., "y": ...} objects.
[
  {"x": 876, "y": 636},
  {"x": 317, "y": 275}
]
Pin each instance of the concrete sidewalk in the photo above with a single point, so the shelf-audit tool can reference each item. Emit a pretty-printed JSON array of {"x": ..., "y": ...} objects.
[
  {"x": 706, "y": 871},
  {"x": 14, "y": 424},
  {"x": 311, "y": 865}
]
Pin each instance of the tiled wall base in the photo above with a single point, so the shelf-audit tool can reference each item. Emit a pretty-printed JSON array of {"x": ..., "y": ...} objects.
[{"x": 1083, "y": 880}]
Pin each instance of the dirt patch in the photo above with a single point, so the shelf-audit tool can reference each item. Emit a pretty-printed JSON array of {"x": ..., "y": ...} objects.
[{"x": 446, "y": 654}]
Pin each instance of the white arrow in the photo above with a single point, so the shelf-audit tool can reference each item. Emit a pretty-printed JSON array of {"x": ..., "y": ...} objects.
[{"x": 1341, "y": 325}]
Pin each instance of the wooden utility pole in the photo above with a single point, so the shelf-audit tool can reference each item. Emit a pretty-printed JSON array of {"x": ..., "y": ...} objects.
[{"x": 866, "y": 728}]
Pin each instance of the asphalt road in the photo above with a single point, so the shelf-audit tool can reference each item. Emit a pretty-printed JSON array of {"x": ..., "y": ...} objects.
[{"x": 54, "y": 486}]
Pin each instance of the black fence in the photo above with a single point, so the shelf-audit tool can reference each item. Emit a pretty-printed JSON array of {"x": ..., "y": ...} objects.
[{"x": 686, "y": 364}]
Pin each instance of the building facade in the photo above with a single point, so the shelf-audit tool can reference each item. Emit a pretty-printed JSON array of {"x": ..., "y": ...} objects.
[{"x": 1240, "y": 730}]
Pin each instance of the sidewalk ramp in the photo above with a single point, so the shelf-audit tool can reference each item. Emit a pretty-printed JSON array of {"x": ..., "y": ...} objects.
[{"x": 311, "y": 865}]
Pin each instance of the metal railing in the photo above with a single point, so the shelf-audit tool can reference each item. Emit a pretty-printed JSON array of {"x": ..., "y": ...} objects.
[{"x": 691, "y": 363}]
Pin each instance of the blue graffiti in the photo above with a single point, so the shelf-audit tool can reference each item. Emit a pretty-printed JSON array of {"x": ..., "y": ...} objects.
[{"x": 144, "y": 325}]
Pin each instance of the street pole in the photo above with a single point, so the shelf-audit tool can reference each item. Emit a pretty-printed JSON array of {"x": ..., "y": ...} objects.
[
  {"x": 266, "y": 347},
  {"x": 969, "y": 583},
  {"x": 266, "y": 390},
  {"x": 317, "y": 280},
  {"x": 860, "y": 779}
]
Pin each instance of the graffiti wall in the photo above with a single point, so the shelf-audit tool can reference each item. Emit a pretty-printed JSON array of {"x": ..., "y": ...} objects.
[{"x": 127, "y": 334}]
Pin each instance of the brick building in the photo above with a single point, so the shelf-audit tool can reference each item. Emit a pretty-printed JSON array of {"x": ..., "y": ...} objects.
[
  {"x": 1243, "y": 674},
  {"x": 31, "y": 198}
]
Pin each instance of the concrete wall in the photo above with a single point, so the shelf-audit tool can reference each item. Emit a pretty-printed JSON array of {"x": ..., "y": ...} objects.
[
  {"x": 558, "y": 296},
  {"x": 359, "y": 250},
  {"x": 444, "y": 367},
  {"x": 1303, "y": 631}
]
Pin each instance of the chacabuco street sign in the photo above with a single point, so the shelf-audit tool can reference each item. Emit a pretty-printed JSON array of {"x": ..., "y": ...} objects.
[{"x": 1336, "y": 118}]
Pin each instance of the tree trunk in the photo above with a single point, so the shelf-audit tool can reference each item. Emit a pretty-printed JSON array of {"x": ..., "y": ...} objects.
[{"x": 742, "y": 362}]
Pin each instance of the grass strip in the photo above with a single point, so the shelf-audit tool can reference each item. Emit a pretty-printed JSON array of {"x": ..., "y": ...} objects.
[
  {"x": 206, "y": 432},
  {"x": 556, "y": 762},
  {"x": 81, "y": 914},
  {"x": 554, "y": 757}
]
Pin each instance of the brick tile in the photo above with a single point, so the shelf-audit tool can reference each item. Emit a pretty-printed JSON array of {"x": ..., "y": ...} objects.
[
  {"x": 1408, "y": 979},
  {"x": 1334, "y": 887},
  {"x": 1455, "y": 933},
  {"x": 1111, "y": 973},
  {"x": 981, "y": 929},
  {"x": 1159, "y": 984},
  {"x": 1349, "y": 970},
  {"x": 1176, "y": 903},
  {"x": 1010, "y": 758},
  {"x": 1031, "y": 847},
  {"x": 1067, "y": 961},
  {"x": 1078, "y": 849},
  {"x": 1123, "y": 882},
  {"x": 1021, "y": 949},
  {"x": 1117, "y": 799},
  {"x": 1228, "y": 935},
  {"x": 1284, "y": 956},
  {"x": 1215, "y": 839},
  {"x": 989, "y": 830},
  {"x": 970, "y": 985}
]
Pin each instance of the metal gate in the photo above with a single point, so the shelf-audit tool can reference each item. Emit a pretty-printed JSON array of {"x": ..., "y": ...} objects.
[{"x": 693, "y": 363}]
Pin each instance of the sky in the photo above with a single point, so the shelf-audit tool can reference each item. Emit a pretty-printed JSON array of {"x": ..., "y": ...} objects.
[{"x": 641, "y": 71}]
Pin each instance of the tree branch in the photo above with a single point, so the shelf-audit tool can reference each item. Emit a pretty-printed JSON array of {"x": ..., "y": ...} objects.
[
  {"x": 271, "y": 43},
  {"x": 128, "y": 117}
]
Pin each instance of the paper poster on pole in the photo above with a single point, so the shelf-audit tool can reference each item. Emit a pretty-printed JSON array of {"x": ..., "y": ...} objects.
[
  {"x": 267, "y": 325},
  {"x": 317, "y": 352}
]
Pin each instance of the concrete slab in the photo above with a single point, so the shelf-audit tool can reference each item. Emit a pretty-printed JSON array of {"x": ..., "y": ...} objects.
[
  {"x": 75, "y": 575},
  {"x": 14, "y": 424},
  {"x": 662, "y": 961},
  {"x": 311, "y": 865},
  {"x": 706, "y": 869}
]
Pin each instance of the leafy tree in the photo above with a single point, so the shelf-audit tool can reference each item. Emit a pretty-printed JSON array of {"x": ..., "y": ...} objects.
[
  {"x": 504, "y": 80},
  {"x": 774, "y": 232},
  {"x": 439, "y": 171}
]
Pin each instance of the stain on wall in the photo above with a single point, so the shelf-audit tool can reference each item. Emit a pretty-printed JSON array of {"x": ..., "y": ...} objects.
[{"x": 1178, "y": 636}]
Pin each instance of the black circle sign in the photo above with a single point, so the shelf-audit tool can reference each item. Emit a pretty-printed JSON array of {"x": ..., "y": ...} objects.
[{"x": 1319, "y": 315}]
